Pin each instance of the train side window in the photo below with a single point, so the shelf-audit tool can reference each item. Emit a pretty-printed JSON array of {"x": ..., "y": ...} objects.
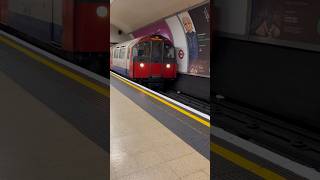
[
  {"x": 114, "y": 53},
  {"x": 122, "y": 53},
  {"x": 117, "y": 52},
  {"x": 128, "y": 53}
]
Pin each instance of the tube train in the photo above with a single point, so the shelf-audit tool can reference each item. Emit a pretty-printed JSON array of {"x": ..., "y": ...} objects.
[
  {"x": 147, "y": 59},
  {"x": 76, "y": 30}
]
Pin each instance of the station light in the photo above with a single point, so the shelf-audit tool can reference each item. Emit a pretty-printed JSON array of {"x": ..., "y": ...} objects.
[
  {"x": 141, "y": 65},
  {"x": 102, "y": 11},
  {"x": 168, "y": 66}
]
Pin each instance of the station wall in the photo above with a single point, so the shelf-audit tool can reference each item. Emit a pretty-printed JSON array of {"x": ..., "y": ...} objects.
[
  {"x": 262, "y": 72},
  {"x": 192, "y": 40},
  {"x": 193, "y": 67},
  {"x": 293, "y": 24},
  {"x": 116, "y": 37},
  {"x": 232, "y": 16},
  {"x": 180, "y": 43}
]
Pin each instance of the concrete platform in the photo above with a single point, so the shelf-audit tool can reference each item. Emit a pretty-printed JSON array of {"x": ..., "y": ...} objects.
[
  {"x": 44, "y": 121},
  {"x": 153, "y": 144}
]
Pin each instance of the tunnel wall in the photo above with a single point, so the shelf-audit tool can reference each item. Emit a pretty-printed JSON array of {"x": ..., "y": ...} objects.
[
  {"x": 115, "y": 37},
  {"x": 276, "y": 73},
  {"x": 280, "y": 81}
]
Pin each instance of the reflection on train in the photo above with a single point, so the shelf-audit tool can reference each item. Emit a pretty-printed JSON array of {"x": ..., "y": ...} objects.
[
  {"x": 149, "y": 59},
  {"x": 75, "y": 30}
]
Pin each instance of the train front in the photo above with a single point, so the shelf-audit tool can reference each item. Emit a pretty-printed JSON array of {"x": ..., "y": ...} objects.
[{"x": 154, "y": 59}]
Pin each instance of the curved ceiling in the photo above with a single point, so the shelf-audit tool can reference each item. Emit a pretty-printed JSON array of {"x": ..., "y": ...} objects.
[{"x": 129, "y": 15}]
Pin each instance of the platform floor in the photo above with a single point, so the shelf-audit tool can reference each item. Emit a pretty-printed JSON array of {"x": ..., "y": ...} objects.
[
  {"x": 144, "y": 147},
  {"x": 51, "y": 127},
  {"x": 235, "y": 158}
]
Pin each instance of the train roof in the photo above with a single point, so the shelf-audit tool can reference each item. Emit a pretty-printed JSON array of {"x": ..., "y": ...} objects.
[
  {"x": 127, "y": 43},
  {"x": 133, "y": 41}
]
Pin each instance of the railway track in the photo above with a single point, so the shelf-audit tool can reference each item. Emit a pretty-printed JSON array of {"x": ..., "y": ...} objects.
[
  {"x": 193, "y": 102},
  {"x": 277, "y": 134}
]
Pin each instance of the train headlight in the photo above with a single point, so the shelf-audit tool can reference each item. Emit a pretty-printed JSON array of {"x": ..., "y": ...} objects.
[
  {"x": 168, "y": 66},
  {"x": 102, "y": 11},
  {"x": 141, "y": 65}
]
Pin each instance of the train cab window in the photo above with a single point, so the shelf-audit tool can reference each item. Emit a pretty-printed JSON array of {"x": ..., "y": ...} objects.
[
  {"x": 156, "y": 52},
  {"x": 143, "y": 51},
  {"x": 169, "y": 53},
  {"x": 134, "y": 52}
]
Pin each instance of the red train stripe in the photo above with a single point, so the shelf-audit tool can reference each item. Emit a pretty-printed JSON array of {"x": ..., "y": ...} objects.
[
  {"x": 85, "y": 26},
  {"x": 91, "y": 29},
  {"x": 68, "y": 25},
  {"x": 3, "y": 11}
]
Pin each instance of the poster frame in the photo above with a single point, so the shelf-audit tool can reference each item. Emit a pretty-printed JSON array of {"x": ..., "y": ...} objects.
[{"x": 277, "y": 42}]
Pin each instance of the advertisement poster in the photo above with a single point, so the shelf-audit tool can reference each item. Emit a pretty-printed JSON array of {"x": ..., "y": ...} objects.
[
  {"x": 160, "y": 28},
  {"x": 196, "y": 23},
  {"x": 290, "y": 20}
]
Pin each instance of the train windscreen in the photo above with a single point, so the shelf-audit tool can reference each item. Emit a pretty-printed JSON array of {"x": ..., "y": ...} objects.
[
  {"x": 141, "y": 52},
  {"x": 156, "y": 56},
  {"x": 161, "y": 52}
]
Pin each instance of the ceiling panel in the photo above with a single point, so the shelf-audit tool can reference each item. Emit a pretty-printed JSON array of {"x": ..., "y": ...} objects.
[{"x": 129, "y": 15}]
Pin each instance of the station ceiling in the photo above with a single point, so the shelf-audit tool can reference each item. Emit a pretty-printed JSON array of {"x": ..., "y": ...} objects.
[{"x": 130, "y": 15}]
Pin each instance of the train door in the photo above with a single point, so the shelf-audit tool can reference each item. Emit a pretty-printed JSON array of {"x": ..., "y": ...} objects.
[
  {"x": 156, "y": 60},
  {"x": 123, "y": 60},
  {"x": 128, "y": 60},
  {"x": 142, "y": 60},
  {"x": 56, "y": 22}
]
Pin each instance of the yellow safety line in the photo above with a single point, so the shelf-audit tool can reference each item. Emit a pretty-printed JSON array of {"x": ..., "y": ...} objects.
[
  {"x": 102, "y": 90},
  {"x": 244, "y": 163},
  {"x": 202, "y": 121}
]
